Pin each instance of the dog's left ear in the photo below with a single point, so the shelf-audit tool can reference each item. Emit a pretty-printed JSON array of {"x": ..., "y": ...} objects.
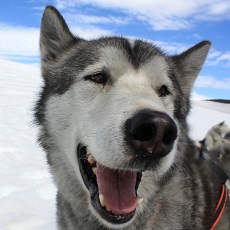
[
  {"x": 190, "y": 62},
  {"x": 55, "y": 35}
]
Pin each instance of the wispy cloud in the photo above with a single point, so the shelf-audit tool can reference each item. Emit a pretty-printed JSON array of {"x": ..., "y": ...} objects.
[
  {"x": 197, "y": 97},
  {"x": 162, "y": 15},
  {"x": 90, "y": 32},
  {"x": 76, "y": 18},
  {"x": 218, "y": 58},
  {"x": 196, "y": 36},
  {"x": 172, "y": 48},
  {"x": 224, "y": 57},
  {"x": 17, "y": 42},
  {"x": 212, "y": 82},
  {"x": 216, "y": 12},
  {"x": 214, "y": 54}
]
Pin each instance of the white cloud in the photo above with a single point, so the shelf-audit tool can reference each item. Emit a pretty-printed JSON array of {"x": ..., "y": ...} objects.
[
  {"x": 212, "y": 82},
  {"x": 224, "y": 57},
  {"x": 90, "y": 32},
  {"x": 196, "y": 36},
  {"x": 221, "y": 7},
  {"x": 216, "y": 12},
  {"x": 212, "y": 58},
  {"x": 161, "y": 15},
  {"x": 216, "y": 57},
  {"x": 22, "y": 43},
  {"x": 77, "y": 19},
  {"x": 172, "y": 48},
  {"x": 214, "y": 54},
  {"x": 164, "y": 23},
  {"x": 198, "y": 97},
  {"x": 18, "y": 41},
  {"x": 212, "y": 62}
]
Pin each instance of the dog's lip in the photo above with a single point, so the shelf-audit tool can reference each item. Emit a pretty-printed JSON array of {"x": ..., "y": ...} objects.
[{"x": 91, "y": 184}]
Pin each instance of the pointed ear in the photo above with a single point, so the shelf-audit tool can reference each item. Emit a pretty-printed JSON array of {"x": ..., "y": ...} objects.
[
  {"x": 221, "y": 123},
  {"x": 190, "y": 63},
  {"x": 55, "y": 35}
]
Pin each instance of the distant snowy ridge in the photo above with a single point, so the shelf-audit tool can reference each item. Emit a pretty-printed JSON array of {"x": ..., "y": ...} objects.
[{"x": 220, "y": 100}]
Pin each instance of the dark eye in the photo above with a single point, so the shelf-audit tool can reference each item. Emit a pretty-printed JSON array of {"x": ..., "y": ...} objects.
[
  {"x": 163, "y": 91},
  {"x": 98, "y": 78}
]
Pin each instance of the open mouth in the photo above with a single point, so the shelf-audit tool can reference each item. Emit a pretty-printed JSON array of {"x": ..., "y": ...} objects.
[{"x": 113, "y": 192}]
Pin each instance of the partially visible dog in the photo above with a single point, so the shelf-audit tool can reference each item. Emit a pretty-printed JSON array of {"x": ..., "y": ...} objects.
[
  {"x": 214, "y": 137},
  {"x": 112, "y": 116},
  {"x": 216, "y": 146}
]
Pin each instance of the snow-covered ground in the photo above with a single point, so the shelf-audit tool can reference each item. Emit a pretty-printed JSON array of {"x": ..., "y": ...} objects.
[
  {"x": 204, "y": 115},
  {"x": 27, "y": 194}
]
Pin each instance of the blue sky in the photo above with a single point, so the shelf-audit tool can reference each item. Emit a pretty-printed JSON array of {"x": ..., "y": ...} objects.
[{"x": 174, "y": 25}]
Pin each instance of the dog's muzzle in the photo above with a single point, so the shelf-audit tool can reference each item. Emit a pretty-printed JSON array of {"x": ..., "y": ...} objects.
[
  {"x": 150, "y": 134},
  {"x": 113, "y": 192}
]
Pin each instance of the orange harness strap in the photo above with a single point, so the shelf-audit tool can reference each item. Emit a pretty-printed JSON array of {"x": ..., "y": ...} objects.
[{"x": 220, "y": 206}]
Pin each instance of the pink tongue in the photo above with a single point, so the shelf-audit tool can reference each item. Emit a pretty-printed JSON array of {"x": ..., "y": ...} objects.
[{"x": 118, "y": 189}]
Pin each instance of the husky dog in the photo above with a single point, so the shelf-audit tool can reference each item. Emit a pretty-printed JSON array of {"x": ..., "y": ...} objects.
[
  {"x": 216, "y": 146},
  {"x": 112, "y": 116},
  {"x": 215, "y": 136}
]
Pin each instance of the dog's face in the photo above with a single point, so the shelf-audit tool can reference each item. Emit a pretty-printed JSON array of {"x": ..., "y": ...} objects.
[
  {"x": 110, "y": 109},
  {"x": 220, "y": 129}
]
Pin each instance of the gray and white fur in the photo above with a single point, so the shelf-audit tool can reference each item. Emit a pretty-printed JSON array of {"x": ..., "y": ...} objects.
[
  {"x": 94, "y": 90},
  {"x": 216, "y": 146}
]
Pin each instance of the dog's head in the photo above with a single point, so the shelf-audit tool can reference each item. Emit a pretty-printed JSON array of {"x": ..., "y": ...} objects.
[
  {"x": 220, "y": 129},
  {"x": 110, "y": 109}
]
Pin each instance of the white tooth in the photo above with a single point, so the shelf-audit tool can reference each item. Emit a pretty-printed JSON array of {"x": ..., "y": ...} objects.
[
  {"x": 108, "y": 209},
  {"x": 94, "y": 170},
  {"x": 101, "y": 198},
  {"x": 140, "y": 200},
  {"x": 90, "y": 159}
]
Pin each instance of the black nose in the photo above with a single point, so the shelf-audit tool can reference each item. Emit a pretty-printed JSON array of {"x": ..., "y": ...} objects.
[{"x": 151, "y": 133}]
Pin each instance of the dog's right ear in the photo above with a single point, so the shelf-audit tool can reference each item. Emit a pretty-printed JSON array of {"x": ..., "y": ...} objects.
[
  {"x": 55, "y": 35},
  {"x": 190, "y": 63}
]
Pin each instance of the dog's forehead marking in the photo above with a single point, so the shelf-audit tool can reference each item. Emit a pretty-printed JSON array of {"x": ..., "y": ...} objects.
[
  {"x": 113, "y": 57},
  {"x": 132, "y": 43},
  {"x": 117, "y": 61},
  {"x": 157, "y": 69}
]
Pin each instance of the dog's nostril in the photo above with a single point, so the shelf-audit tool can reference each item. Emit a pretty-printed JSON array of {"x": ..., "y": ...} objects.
[
  {"x": 144, "y": 132},
  {"x": 170, "y": 135},
  {"x": 168, "y": 138}
]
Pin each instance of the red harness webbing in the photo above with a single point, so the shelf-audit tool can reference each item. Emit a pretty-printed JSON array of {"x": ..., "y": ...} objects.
[{"x": 220, "y": 206}]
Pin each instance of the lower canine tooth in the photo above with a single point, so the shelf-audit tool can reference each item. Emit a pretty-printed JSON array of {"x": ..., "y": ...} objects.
[
  {"x": 140, "y": 200},
  {"x": 94, "y": 169},
  {"x": 90, "y": 159},
  {"x": 101, "y": 198},
  {"x": 107, "y": 209}
]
